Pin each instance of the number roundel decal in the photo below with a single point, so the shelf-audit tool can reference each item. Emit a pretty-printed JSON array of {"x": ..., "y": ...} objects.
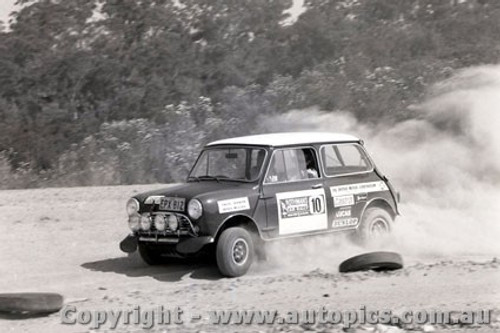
[{"x": 317, "y": 204}]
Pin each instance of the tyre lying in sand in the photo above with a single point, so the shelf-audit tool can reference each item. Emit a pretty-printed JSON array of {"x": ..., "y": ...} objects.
[
  {"x": 31, "y": 303},
  {"x": 245, "y": 191},
  {"x": 375, "y": 261}
]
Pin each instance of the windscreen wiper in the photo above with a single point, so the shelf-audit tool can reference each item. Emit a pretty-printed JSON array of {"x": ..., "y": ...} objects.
[{"x": 209, "y": 178}]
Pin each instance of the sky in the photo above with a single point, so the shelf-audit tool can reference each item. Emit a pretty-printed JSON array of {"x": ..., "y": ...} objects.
[
  {"x": 6, "y": 7},
  {"x": 294, "y": 11}
]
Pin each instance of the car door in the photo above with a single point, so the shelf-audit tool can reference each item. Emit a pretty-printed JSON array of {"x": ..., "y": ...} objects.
[
  {"x": 349, "y": 182},
  {"x": 294, "y": 193}
]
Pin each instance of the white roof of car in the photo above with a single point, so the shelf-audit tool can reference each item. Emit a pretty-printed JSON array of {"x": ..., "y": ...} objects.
[{"x": 287, "y": 139}]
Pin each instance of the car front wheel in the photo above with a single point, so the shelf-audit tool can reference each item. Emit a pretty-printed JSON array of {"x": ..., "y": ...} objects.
[{"x": 235, "y": 252}]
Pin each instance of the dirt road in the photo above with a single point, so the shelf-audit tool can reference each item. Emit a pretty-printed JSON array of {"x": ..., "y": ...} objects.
[{"x": 66, "y": 241}]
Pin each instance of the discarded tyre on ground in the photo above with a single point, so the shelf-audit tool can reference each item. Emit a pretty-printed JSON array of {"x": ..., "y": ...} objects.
[
  {"x": 35, "y": 303},
  {"x": 375, "y": 261}
]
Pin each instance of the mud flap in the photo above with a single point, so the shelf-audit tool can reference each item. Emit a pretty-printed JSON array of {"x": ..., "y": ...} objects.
[
  {"x": 129, "y": 244},
  {"x": 193, "y": 245}
]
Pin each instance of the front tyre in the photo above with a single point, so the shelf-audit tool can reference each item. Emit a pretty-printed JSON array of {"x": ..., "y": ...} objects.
[
  {"x": 375, "y": 222},
  {"x": 235, "y": 252},
  {"x": 150, "y": 255}
]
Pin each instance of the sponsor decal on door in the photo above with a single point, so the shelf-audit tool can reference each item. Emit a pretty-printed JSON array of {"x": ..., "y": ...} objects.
[{"x": 301, "y": 211}]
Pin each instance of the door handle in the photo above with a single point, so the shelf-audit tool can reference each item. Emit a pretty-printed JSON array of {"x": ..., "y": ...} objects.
[{"x": 317, "y": 186}]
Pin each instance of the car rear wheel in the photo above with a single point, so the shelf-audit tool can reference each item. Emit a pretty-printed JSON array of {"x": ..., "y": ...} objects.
[
  {"x": 150, "y": 255},
  {"x": 235, "y": 252},
  {"x": 375, "y": 222}
]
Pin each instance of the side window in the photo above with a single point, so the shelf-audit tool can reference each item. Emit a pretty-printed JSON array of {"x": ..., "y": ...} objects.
[
  {"x": 344, "y": 158},
  {"x": 292, "y": 165}
]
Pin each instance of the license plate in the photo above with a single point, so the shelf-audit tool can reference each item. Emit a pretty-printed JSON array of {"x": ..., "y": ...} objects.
[{"x": 176, "y": 204}]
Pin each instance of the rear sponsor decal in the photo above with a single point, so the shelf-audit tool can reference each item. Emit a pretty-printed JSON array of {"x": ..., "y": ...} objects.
[
  {"x": 344, "y": 200},
  {"x": 343, "y": 213},
  {"x": 358, "y": 188},
  {"x": 301, "y": 211},
  {"x": 361, "y": 197},
  {"x": 344, "y": 222},
  {"x": 233, "y": 205}
]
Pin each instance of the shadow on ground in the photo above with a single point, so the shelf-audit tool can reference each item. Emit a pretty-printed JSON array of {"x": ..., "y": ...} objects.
[{"x": 172, "y": 270}]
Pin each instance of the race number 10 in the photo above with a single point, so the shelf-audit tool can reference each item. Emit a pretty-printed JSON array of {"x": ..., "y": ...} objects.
[{"x": 317, "y": 204}]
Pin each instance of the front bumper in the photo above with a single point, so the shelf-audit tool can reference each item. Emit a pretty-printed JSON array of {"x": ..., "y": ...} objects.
[
  {"x": 183, "y": 246},
  {"x": 185, "y": 240}
]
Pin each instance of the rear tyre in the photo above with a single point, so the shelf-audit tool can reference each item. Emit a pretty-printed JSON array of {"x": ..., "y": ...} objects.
[
  {"x": 150, "y": 255},
  {"x": 375, "y": 222},
  {"x": 235, "y": 252}
]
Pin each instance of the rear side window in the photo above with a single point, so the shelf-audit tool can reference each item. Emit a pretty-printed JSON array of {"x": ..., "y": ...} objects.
[
  {"x": 344, "y": 158},
  {"x": 292, "y": 165}
]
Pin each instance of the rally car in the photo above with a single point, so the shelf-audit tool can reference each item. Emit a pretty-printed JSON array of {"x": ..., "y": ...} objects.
[{"x": 245, "y": 191}]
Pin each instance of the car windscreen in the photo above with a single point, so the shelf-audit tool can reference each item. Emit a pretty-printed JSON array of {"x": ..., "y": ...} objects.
[{"x": 238, "y": 164}]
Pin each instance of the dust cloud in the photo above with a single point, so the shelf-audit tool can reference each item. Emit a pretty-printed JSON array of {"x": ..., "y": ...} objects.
[{"x": 445, "y": 162}]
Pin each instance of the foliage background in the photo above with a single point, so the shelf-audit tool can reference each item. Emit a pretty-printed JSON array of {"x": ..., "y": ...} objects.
[{"x": 96, "y": 92}]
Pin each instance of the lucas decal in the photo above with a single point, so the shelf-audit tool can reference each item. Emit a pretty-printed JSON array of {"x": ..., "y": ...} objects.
[
  {"x": 351, "y": 189},
  {"x": 343, "y": 213},
  {"x": 301, "y": 211},
  {"x": 233, "y": 205}
]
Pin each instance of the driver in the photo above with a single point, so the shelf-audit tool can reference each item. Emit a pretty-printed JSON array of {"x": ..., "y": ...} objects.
[{"x": 311, "y": 169}]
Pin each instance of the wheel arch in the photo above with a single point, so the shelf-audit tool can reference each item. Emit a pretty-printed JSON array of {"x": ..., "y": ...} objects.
[
  {"x": 382, "y": 204},
  {"x": 239, "y": 220}
]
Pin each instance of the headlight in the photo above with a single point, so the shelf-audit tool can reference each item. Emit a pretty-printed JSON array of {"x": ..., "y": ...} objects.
[
  {"x": 195, "y": 209},
  {"x": 145, "y": 222},
  {"x": 132, "y": 206},
  {"x": 160, "y": 224},
  {"x": 133, "y": 222},
  {"x": 173, "y": 224}
]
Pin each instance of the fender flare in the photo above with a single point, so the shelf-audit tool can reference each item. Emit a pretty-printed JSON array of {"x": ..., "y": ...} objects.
[
  {"x": 381, "y": 203},
  {"x": 238, "y": 220}
]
